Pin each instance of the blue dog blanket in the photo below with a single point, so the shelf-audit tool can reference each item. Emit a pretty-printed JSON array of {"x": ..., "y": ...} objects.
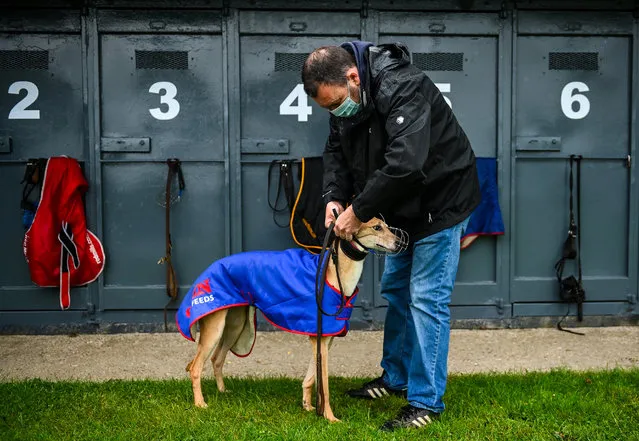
[
  {"x": 486, "y": 219},
  {"x": 281, "y": 284}
]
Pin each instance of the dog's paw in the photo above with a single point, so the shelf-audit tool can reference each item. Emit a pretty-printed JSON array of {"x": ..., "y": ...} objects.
[
  {"x": 332, "y": 419},
  {"x": 309, "y": 407},
  {"x": 201, "y": 405}
]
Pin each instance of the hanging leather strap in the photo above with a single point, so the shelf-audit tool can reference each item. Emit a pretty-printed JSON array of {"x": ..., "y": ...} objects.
[
  {"x": 174, "y": 170},
  {"x": 571, "y": 288},
  {"x": 285, "y": 182}
]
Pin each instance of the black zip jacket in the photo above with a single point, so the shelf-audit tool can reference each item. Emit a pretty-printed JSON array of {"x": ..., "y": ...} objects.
[{"x": 404, "y": 155}]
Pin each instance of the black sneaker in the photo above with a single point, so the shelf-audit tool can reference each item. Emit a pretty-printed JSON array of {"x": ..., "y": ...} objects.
[
  {"x": 375, "y": 389},
  {"x": 410, "y": 416}
]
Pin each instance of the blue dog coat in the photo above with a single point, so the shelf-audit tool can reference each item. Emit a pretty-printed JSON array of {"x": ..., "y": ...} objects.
[
  {"x": 281, "y": 284},
  {"x": 486, "y": 219}
]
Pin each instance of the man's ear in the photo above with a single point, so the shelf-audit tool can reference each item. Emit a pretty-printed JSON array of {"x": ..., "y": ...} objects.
[{"x": 353, "y": 75}]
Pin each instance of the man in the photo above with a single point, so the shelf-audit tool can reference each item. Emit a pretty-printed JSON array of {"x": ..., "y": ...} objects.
[{"x": 395, "y": 148}]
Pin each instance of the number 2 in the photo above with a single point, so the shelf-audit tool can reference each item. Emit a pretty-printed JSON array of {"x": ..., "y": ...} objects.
[{"x": 19, "y": 111}]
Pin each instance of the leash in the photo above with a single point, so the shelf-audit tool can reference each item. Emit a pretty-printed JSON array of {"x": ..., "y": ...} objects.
[
  {"x": 174, "y": 169},
  {"x": 571, "y": 288},
  {"x": 285, "y": 182}
]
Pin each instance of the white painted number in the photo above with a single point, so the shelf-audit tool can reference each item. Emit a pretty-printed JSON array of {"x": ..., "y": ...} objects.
[
  {"x": 445, "y": 88},
  {"x": 302, "y": 110},
  {"x": 568, "y": 99},
  {"x": 167, "y": 98},
  {"x": 20, "y": 111}
]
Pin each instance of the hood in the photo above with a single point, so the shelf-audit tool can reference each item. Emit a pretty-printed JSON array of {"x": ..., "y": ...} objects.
[
  {"x": 389, "y": 55},
  {"x": 358, "y": 49}
]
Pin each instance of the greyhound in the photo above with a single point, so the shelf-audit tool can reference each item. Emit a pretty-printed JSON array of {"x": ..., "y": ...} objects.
[{"x": 226, "y": 324}]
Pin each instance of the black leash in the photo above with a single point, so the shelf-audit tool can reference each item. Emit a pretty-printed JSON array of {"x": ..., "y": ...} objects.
[
  {"x": 571, "y": 288},
  {"x": 285, "y": 182}
]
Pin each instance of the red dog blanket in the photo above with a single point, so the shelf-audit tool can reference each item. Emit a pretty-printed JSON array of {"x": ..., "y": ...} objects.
[{"x": 58, "y": 247}]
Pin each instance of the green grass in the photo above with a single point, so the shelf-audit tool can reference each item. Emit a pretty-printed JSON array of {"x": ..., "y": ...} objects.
[{"x": 559, "y": 405}]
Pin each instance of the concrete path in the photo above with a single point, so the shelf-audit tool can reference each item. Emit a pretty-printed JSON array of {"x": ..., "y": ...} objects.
[{"x": 132, "y": 356}]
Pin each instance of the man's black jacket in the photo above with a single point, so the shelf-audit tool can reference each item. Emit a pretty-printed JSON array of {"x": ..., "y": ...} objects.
[{"x": 403, "y": 155}]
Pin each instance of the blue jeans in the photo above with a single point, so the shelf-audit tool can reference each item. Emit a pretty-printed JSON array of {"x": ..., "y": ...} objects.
[{"x": 417, "y": 285}]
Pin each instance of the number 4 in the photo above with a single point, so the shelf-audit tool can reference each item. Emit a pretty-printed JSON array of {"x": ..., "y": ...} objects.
[{"x": 302, "y": 110}]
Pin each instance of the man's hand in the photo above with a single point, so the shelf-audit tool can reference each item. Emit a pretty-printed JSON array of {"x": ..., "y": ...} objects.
[
  {"x": 328, "y": 215},
  {"x": 347, "y": 224}
]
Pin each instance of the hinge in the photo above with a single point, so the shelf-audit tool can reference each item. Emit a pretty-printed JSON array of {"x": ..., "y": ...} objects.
[
  {"x": 367, "y": 310},
  {"x": 364, "y": 11},
  {"x": 226, "y": 9},
  {"x": 628, "y": 161},
  {"x": 632, "y": 300},
  {"x": 503, "y": 12},
  {"x": 91, "y": 308},
  {"x": 499, "y": 304}
]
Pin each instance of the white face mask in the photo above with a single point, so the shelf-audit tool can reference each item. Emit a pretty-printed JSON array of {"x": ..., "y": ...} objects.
[{"x": 348, "y": 107}]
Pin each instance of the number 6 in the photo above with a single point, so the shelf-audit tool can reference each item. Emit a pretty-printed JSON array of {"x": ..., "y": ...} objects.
[{"x": 567, "y": 100}]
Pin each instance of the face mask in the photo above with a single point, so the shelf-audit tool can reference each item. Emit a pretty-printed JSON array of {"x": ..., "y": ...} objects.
[{"x": 348, "y": 106}]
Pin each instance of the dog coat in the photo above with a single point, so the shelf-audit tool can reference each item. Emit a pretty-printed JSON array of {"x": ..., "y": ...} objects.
[
  {"x": 486, "y": 219},
  {"x": 281, "y": 284},
  {"x": 58, "y": 247}
]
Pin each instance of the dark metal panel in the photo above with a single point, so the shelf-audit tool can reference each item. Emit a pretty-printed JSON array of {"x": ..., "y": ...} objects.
[
  {"x": 40, "y": 299},
  {"x": 575, "y": 23},
  {"x": 581, "y": 98},
  {"x": 39, "y": 20},
  {"x": 40, "y": 75},
  {"x": 158, "y": 21},
  {"x": 158, "y": 4},
  {"x": 180, "y": 110},
  {"x": 43, "y": 322},
  {"x": 559, "y": 309},
  {"x": 134, "y": 230},
  {"x": 579, "y": 5},
  {"x": 297, "y": 4},
  {"x": 411, "y": 23},
  {"x": 437, "y": 5},
  {"x": 541, "y": 209},
  {"x": 299, "y": 23}
]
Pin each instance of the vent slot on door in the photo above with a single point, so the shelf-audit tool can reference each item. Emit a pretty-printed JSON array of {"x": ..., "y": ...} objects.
[
  {"x": 161, "y": 60},
  {"x": 24, "y": 60},
  {"x": 289, "y": 61},
  {"x": 439, "y": 61},
  {"x": 573, "y": 61}
]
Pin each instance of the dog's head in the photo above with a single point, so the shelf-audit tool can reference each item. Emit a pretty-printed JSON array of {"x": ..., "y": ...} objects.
[{"x": 376, "y": 235}]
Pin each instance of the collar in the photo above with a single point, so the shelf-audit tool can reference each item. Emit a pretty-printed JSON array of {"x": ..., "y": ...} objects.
[{"x": 351, "y": 251}]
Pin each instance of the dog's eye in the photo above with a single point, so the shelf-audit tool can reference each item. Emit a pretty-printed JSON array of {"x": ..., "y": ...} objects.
[{"x": 377, "y": 228}]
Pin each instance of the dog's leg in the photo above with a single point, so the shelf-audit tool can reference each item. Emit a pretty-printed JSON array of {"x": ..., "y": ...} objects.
[
  {"x": 211, "y": 330},
  {"x": 309, "y": 380},
  {"x": 325, "y": 343},
  {"x": 235, "y": 321}
]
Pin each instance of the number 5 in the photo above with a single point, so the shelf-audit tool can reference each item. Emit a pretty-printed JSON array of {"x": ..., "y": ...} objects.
[{"x": 445, "y": 88}]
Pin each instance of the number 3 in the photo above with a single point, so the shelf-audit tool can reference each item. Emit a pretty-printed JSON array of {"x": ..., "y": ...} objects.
[{"x": 168, "y": 98}]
